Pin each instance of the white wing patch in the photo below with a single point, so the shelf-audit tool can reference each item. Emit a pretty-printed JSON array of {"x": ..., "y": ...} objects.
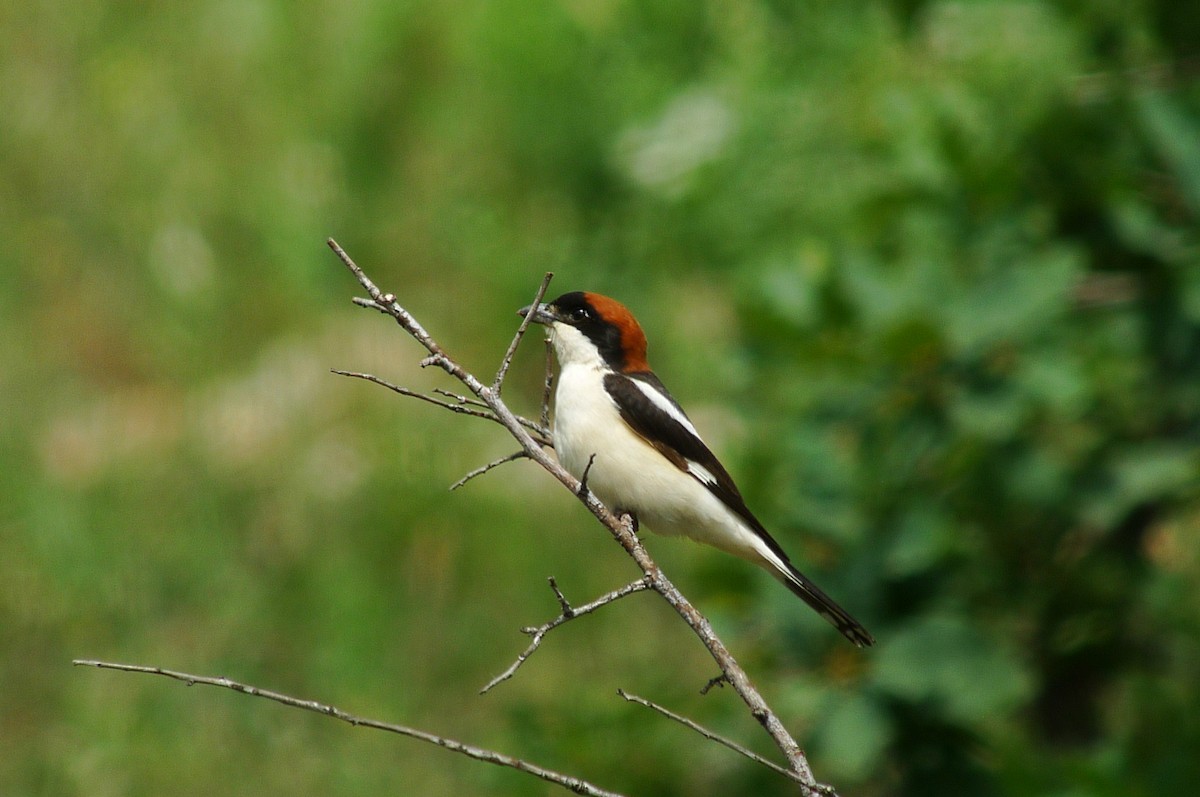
[
  {"x": 701, "y": 473},
  {"x": 695, "y": 469},
  {"x": 665, "y": 404}
]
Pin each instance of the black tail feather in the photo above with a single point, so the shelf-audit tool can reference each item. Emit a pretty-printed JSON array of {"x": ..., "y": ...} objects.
[{"x": 825, "y": 606}]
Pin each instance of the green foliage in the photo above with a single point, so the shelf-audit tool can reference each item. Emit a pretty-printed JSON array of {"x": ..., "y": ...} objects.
[{"x": 926, "y": 273}]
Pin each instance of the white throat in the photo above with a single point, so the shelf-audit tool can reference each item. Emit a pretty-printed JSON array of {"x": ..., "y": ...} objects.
[{"x": 572, "y": 347}]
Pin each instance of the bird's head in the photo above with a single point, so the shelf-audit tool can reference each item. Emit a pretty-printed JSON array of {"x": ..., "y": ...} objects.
[{"x": 587, "y": 328}]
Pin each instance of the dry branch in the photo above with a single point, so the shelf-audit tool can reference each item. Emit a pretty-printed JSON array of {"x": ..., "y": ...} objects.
[
  {"x": 621, "y": 528},
  {"x": 533, "y": 439},
  {"x": 478, "y": 753}
]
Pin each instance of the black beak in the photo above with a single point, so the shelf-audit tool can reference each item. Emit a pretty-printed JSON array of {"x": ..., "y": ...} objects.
[{"x": 542, "y": 315}]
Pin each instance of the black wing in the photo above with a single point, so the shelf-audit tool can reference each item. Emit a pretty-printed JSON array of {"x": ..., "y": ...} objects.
[{"x": 679, "y": 444}]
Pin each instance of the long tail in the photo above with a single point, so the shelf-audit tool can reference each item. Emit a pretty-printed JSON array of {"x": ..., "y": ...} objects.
[
  {"x": 751, "y": 541},
  {"x": 825, "y": 606},
  {"x": 780, "y": 567}
]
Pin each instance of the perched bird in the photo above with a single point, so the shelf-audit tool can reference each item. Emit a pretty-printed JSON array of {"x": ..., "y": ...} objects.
[{"x": 615, "y": 420}]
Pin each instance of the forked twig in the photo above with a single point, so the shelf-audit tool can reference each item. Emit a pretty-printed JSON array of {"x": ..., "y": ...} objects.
[{"x": 568, "y": 612}]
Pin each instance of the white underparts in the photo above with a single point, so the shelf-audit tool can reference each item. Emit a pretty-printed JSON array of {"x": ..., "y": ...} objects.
[{"x": 629, "y": 474}]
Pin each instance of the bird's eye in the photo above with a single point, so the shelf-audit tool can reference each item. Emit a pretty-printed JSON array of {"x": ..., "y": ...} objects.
[{"x": 579, "y": 314}]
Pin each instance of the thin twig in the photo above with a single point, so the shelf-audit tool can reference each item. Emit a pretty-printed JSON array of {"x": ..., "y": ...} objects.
[
  {"x": 478, "y": 753},
  {"x": 547, "y": 385},
  {"x": 485, "y": 468},
  {"x": 460, "y": 398},
  {"x": 541, "y": 429},
  {"x": 568, "y": 613},
  {"x": 459, "y": 407},
  {"x": 498, "y": 382},
  {"x": 583, "y": 481},
  {"x": 461, "y": 404},
  {"x": 707, "y": 734},
  {"x": 563, "y": 603}
]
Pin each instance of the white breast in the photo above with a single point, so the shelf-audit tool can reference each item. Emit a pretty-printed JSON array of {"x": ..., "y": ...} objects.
[{"x": 628, "y": 474}]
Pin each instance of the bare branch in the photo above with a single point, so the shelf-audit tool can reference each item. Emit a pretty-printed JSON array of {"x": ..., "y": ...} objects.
[
  {"x": 621, "y": 528},
  {"x": 568, "y": 613},
  {"x": 478, "y": 753},
  {"x": 710, "y": 735},
  {"x": 485, "y": 468},
  {"x": 386, "y": 303},
  {"x": 498, "y": 382}
]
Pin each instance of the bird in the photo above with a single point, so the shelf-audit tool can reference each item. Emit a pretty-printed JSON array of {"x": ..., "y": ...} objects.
[{"x": 618, "y": 429}]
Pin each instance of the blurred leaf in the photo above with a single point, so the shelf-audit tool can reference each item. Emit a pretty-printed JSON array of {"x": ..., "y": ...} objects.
[
  {"x": 1177, "y": 138},
  {"x": 992, "y": 416},
  {"x": 923, "y": 538},
  {"x": 945, "y": 666},
  {"x": 854, "y": 732},
  {"x": 1141, "y": 474}
]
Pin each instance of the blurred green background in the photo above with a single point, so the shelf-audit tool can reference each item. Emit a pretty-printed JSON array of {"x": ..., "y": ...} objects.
[{"x": 927, "y": 274}]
